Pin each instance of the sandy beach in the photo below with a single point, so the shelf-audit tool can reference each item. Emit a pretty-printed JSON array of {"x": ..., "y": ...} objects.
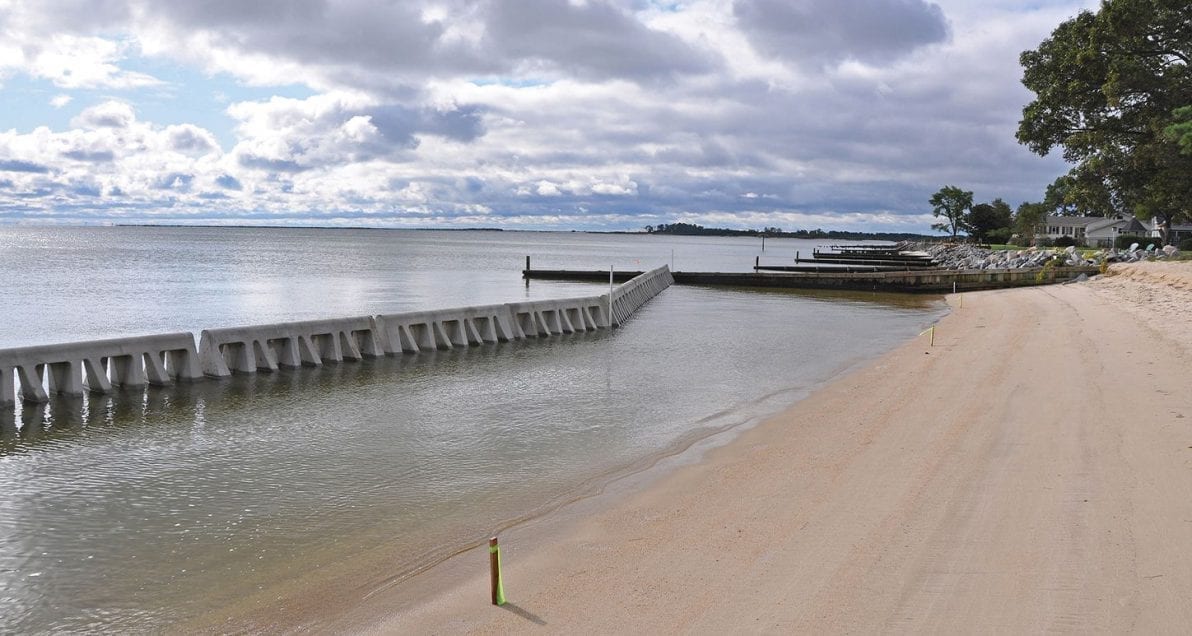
[{"x": 1029, "y": 472}]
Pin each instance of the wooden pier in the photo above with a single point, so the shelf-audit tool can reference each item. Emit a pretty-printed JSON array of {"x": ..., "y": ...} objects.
[{"x": 915, "y": 280}]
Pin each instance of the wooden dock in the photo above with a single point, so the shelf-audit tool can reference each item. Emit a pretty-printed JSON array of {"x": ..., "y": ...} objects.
[{"x": 928, "y": 281}]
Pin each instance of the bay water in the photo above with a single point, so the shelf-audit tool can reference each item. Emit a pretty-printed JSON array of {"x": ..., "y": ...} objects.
[{"x": 167, "y": 507}]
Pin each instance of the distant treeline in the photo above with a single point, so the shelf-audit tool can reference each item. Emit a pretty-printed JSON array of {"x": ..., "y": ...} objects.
[{"x": 690, "y": 229}]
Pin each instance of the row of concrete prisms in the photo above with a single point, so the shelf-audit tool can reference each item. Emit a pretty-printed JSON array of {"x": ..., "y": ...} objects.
[{"x": 99, "y": 366}]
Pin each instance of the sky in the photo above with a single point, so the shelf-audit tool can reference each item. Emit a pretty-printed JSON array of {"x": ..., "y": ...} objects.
[{"x": 519, "y": 114}]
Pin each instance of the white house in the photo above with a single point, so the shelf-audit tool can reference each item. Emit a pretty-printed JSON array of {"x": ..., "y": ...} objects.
[
  {"x": 1102, "y": 232},
  {"x": 1097, "y": 231},
  {"x": 1054, "y": 227}
]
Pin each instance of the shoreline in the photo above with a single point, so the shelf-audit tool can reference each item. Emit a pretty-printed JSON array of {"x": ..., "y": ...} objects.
[
  {"x": 304, "y": 604},
  {"x": 1005, "y": 489}
]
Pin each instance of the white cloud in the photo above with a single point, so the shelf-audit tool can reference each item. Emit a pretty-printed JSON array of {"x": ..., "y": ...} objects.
[
  {"x": 83, "y": 62},
  {"x": 628, "y": 188},
  {"x": 109, "y": 114},
  {"x": 546, "y": 112}
]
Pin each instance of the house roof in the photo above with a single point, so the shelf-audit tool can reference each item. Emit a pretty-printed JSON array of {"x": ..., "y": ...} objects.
[
  {"x": 1101, "y": 224},
  {"x": 1071, "y": 221}
]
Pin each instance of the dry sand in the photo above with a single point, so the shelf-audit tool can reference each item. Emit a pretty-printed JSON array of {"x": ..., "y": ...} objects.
[{"x": 1030, "y": 472}]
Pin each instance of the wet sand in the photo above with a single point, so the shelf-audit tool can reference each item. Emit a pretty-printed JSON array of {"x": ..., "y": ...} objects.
[{"x": 1029, "y": 472}]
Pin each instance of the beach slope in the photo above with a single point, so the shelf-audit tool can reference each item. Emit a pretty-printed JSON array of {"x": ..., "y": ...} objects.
[{"x": 1029, "y": 472}]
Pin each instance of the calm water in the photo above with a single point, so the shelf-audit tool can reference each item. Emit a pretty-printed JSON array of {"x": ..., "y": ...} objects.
[{"x": 182, "y": 504}]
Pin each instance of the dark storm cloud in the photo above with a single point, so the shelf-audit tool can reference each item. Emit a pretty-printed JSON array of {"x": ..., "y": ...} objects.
[
  {"x": 399, "y": 124},
  {"x": 82, "y": 16},
  {"x": 591, "y": 40},
  {"x": 366, "y": 43},
  {"x": 384, "y": 37},
  {"x": 463, "y": 123},
  {"x": 814, "y": 32}
]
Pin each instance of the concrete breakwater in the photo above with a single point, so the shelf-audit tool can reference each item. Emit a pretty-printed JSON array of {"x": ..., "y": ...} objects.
[
  {"x": 102, "y": 366},
  {"x": 98, "y": 366}
]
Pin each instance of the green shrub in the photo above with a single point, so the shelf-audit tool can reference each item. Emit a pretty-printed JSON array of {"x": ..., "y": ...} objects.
[
  {"x": 1000, "y": 235},
  {"x": 1041, "y": 275},
  {"x": 1044, "y": 241},
  {"x": 1124, "y": 241},
  {"x": 1185, "y": 245},
  {"x": 1064, "y": 241}
]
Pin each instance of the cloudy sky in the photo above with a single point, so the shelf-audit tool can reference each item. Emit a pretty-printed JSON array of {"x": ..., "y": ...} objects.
[{"x": 537, "y": 114}]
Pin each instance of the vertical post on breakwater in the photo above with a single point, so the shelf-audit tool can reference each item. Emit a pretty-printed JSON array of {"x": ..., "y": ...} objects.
[{"x": 610, "y": 296}]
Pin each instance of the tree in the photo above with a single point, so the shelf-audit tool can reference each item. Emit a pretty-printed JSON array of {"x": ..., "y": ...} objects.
[
  {"x": 1056, "y": 198},
  {"x": 953, "y": 204},
  {"x": 1181, "y": 131},
  {"x": 989, "y": 220},
  {"x": 1107, "y": 85},
  {"x": 1082, "y": 192},
  {"x": 1028, "y": 218}
]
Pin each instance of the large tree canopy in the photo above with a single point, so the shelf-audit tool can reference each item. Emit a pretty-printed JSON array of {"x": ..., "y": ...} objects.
[{"x": 1107, "y": 86}]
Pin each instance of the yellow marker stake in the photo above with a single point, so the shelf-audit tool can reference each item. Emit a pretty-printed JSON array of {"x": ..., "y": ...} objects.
[
  {"x": 494, "y": 565},
  {"x": 930, "y": 330}
]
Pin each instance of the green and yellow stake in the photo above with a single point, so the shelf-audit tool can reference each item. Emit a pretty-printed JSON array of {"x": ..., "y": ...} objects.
[{"x": 494, "y": 565}]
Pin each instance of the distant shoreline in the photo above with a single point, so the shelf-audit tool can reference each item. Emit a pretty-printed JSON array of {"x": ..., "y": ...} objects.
[{"x": 715, "y": 232}]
